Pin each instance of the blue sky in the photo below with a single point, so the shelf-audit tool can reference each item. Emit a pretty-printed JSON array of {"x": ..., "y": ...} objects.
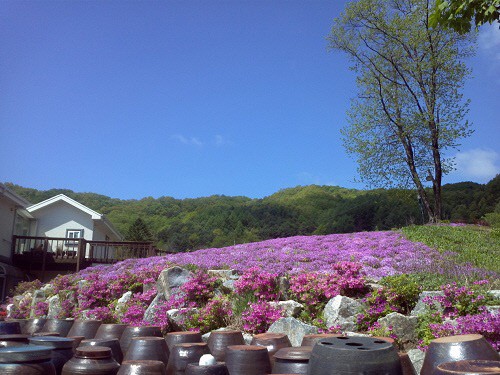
[{"x": 192, "y": 98}]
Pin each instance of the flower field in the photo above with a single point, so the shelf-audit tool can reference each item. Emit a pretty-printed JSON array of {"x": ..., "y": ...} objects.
[{"x": 317, "y": 269}]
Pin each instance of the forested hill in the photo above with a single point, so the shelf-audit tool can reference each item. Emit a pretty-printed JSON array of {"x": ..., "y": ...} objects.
[{"x": 216, "y": 221}]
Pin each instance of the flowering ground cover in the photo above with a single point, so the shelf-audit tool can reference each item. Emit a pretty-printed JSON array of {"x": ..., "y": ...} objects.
[{"x": 317, "y": 268}]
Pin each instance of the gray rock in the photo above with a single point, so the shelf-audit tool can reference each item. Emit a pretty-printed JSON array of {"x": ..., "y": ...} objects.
[
  {"x": 495, "y": 293},
  {"x": 150, "y": 312},
  {"x": 121, "y": 303},
  {"x": 342, "y": 311},
  {"x": 402, "y": 326},
  {"x": 284, "y": 288},
  {"x": 38, "y": 296},
  {"x": 171, "y": 279},
  {"x": 248, "y": 338},
  {"x": 293, "y": 328},
  {"x": 176, "y": 317},
  {"x": 493, "y": 310},
  {"x": 54, "y": 306},
  {"x": 290, "y": 308},
  {"x": 417, "y": 359},
  {"x": 227, "y": 286},
  {"x": 421, "y": 307},
  {"x": 224, "y": 274}
]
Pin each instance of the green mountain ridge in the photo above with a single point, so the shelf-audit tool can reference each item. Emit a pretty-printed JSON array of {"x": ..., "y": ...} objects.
[{"x": 219, "y": 220}]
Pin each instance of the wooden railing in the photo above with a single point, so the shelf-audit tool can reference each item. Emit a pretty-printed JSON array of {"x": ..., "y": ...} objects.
[{"x": 78, "y": 251}]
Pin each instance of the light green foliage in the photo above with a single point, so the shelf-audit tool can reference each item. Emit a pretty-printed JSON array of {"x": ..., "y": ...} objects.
[
  {"x": 409, "y": 108},
  {"x": 406, "y": 291},
  {"x": 477, "y": 245},
  {"x": 459, "y": 14}
]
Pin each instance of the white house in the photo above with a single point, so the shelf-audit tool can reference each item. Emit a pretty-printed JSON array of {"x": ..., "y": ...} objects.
[{"x": 61, "y": 216}]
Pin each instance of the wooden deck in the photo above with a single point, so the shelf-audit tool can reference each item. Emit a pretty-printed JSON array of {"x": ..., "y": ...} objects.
[{"x": 72, "y": 255}]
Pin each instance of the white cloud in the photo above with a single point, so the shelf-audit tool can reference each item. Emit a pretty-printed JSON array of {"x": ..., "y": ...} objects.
[
  {"x": 187, "y": 140},
  {"x": 489, "y": 40},
  {"x": 477, "y": 164},
  {"x": 221, "y": 141}
]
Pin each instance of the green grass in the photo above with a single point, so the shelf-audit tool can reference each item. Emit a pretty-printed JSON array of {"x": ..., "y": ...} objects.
[{"x": 477, "y": 245}]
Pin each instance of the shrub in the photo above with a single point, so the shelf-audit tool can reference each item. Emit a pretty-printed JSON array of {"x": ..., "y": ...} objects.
[
  {"x": 215, "y": 314},
  {"x": 258, "y": 283},
  {"x": 26, "y": 286},
  {"x": 200, "y": 288},
  {"x": 259, "y": 316}
]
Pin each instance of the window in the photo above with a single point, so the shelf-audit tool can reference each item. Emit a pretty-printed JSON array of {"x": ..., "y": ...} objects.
[{"x": 73, "y": 233}]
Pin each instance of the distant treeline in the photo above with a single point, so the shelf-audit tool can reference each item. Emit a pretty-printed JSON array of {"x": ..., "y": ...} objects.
[{"x": 216, "y": 221}]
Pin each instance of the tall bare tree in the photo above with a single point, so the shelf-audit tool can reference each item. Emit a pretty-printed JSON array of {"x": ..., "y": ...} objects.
[{"x": 409, "y": 109}]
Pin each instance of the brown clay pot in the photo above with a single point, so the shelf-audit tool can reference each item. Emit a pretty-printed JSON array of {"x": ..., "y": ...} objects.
[
  {"x": 311, "y": 340},
  {"x": 218, "y": 341},
  {"x": 148, "y": 348},
  {"x": 457, "y": 348},
  {"x": 247, "y": 360},
  {"x": 217, "y": 369},
  {"x": 110, "y": 331},
  {"x": 142, "y": 331},
  {"x": 85, "y": 328},
  {"x": 19, "y": 338},
  {"x": 76, "y": 341},
  {"x": 182, "y": 337},
  {"x": 468, "y": 367},
  {"x": 46, "y": 333},
  {"x": 406, "y": 364},
  {"x": 143, "y": 367},
  {"x": 91, "y": 360},
  {"x": 183, "y": 354},
  {"x": 354, "y": 355},
  {"x": 26, "y": 360},
  {"x": 292, "y": 360},
  {"x": 58, "y": 325},
  {"x": 272, "y": 341},
  {"x": 62, "y": 349},
  {"x": 113, "y": 344},
  {"x": 10, "y": 327}
]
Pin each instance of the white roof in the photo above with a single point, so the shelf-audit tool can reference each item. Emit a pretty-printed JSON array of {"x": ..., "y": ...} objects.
[
  {"x": 61, "y": 197},
  {"x": 14, "y": 197}
]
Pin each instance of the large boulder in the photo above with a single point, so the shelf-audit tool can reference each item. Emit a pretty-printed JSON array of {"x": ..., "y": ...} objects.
[
  {"x": 224, "y": 274},
  {"x": 289, "y": 308},
  {"x": 150, "y": 312},
  {"x": 54, "y": 306},
  {"x": 121, "y": 303},
  {"x": 293, "y": 328},
  {"x": 416, "y": 358},
  {"x": 402, "y": 326},
  {"x": 342, "y": 311},
  {"x": 421, "y": 307},
  {"x": 176, "y": 318},
  {"x": 171, "y": 279}
]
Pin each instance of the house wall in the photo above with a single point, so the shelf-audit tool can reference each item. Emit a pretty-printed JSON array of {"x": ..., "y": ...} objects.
[
  {"x": 55, "y": 219},
  {"x": 7, "y": 214}
]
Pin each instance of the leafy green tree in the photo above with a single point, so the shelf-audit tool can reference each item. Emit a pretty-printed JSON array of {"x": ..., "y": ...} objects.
[
  {"x": 459, "y": 14},
  {"x": 138, "y": 231},
  {"x": 409, "y": 109}
]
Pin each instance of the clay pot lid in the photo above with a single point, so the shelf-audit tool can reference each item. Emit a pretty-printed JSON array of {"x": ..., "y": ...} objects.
[
  {"x": 15, "y": 337},
  {"x": 269, "y": 336},
  {"x": 46, "y": 333},
  {"x": 54, "y": 342},
  {"x": 93, "y": 352},
  {"x": 300, "y": 353},
  {"x": 246, "y": 348},
  {"x": 25, "y": 353},
  {"x": 458, "y": 338},
  {"x": 475, "y": 366},
  {"x": 189, "y": 344},
  {"x": 98, "y": 342},
  {"x": 355, "y": 343},
  {"x": 147, "y": 338},
  {"x": 226, "y": 332},
  {"x": 181, "y": 333}
]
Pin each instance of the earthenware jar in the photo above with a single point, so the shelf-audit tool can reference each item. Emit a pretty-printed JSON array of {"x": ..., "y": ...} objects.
[
  {"x": 110, "y": 331},
  {"x": 85, "y": 328},
  {"x": 311, "y": 340},
  {"x": 26, "y": 360},
  {"x": 354, "y": 355},
  {"x": 218, "y": 341},
  {"x": 113, "y": 344},
  {"x": 58, "y": 325},
  {"x": 272, "y": 341},
  {"x": 469, "y": 367},
  {"x": 91, "y": 360},
  {"x": 62, "y": 349},
  {"x": 19, "y": 338},
  {"x": 215, "y": 369},
  {"x": 10, "y": 327},
  {"x": 46, "y": 333},
  {"x": 142, "y": 331},
  {"x": 292, "y": 360},
  {"x": 406, "y": 364},
  {"x": 33, "y": 325},
  {"x": 148, "y": 348},
  {"x": 457, "y": 348},
  {"x": 247, "y": 360},
  {"x": 143, "y": 367},
  {"x": 181, "y": 337},
  {"x": 183, "y": 354},
  {"x": 76, "y": 341}
]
